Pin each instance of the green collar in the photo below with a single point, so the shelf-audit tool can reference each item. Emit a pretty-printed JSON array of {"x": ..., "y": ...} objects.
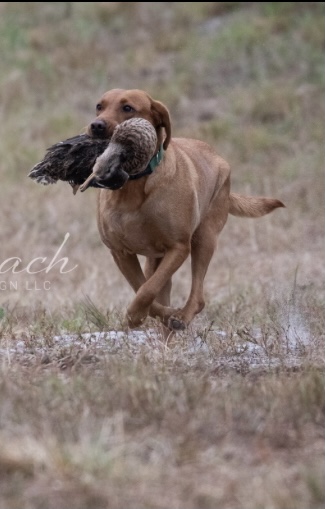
[{"x": 154, "y": 162}]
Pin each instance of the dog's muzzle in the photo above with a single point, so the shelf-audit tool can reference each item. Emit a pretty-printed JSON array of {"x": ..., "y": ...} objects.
[{"x": 114, "y": 181}]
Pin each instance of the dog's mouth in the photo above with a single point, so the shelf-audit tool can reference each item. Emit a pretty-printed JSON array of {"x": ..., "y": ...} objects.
[
  {"x": 100, "y": 136},
  {"x": 113, "y": 183},
  {"x": 102, "y": 184}
]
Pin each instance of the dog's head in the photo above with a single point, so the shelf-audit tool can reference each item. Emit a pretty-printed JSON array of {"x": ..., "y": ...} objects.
[{"x": 118, "y": 105}]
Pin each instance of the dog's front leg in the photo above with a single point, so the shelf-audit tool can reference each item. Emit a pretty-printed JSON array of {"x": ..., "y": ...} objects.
[
  {"x": 131, "y": 269},
  {"x": 139, "y": 308}
]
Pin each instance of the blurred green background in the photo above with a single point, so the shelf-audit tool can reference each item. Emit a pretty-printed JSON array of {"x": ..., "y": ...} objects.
[{"x": 247, "y": 76}]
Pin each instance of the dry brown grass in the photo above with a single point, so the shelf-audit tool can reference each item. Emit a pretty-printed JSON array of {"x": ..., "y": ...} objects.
[
  {"x": 203, "y": 422},
  {"x": 159, "y": 427}
]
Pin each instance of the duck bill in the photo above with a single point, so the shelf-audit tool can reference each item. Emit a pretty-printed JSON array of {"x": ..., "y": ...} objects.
[{"x": 114, "y": 181}]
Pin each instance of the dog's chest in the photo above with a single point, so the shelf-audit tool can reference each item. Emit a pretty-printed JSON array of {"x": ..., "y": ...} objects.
[{"x": 131, "y": 232}]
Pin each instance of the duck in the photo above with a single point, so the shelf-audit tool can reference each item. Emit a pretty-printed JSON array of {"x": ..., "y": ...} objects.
[
  {"x": 70, "y": 160},
  {"x": 84, "y": 161},
  {"x": 129, "y": 156}
]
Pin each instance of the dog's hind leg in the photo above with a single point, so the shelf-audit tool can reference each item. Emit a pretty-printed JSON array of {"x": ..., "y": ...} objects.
[{"x": 203, "y": 245}]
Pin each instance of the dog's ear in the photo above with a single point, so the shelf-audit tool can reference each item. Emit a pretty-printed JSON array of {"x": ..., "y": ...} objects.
[{"x": 162, "y": 119}]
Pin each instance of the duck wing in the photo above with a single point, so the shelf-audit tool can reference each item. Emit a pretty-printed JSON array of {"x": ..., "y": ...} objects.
[{"x": 70, "y": 160}]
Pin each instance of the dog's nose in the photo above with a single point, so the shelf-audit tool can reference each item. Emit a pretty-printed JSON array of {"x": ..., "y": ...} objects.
[{"x": 98, "y": 127}]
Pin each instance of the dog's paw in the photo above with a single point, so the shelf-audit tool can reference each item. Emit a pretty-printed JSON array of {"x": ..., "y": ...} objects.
[
  {"x": 176, "y": 324},
  {"x": 134, "y": 321},
  {"x": 136, "y": 317}
]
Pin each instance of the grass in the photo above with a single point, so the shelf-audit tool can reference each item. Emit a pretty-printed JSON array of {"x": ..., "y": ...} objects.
[
  {"x": 230, "y": 413},
  {"x": 116, "y": 430}
]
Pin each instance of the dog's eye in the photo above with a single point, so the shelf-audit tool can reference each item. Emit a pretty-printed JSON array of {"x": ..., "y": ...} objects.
[
  {"x": 99, "y": 107},
  {"x": 127, "y": 108}
]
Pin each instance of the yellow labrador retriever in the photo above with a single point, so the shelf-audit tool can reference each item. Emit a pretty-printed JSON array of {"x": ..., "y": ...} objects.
[{"x": 176, "y": 209}]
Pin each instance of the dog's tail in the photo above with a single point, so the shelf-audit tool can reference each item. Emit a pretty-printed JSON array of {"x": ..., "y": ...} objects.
[{"x": 252, "y": 206}]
